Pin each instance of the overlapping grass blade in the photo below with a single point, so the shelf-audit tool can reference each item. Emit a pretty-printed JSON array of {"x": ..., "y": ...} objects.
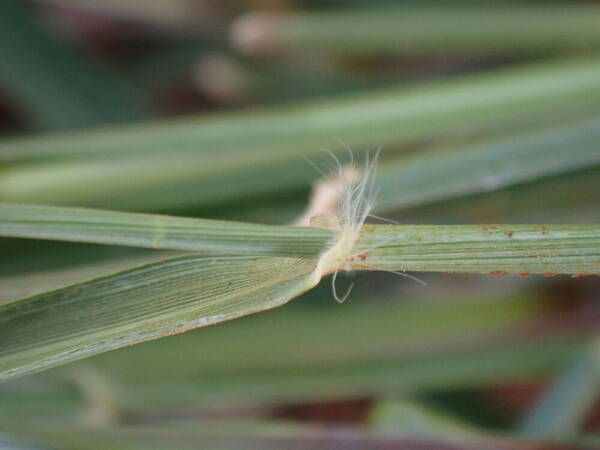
[
  {"x": 186, "y": 292},
  {"x": 571, "y": 249},
  {"x": 143, "y": 303}
]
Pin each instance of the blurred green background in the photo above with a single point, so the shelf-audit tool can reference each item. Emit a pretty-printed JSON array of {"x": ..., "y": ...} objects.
[{"x": 487, "y": 112}]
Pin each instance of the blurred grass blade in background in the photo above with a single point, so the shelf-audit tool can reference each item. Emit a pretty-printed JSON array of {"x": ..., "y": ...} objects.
[
  {"x": 487, "y": 166},
  {"x": 517, "y": 95},
  {"x": 424, "y": 29},
  {"x": 415, "y": 179}
]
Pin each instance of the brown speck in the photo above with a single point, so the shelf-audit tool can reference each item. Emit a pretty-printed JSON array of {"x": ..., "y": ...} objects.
[
  {"x": 523, "y": 274},
  {"x": 509, "y": 233},
  {"x": 550, "y": 274},
  {"x": 362, "y": 257},
  {"x": 498, "y": 272}
]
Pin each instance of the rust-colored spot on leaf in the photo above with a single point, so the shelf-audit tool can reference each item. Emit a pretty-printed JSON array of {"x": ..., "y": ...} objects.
[
  {"x": 362, "y": 257},
  {"x": 581, "y": 275},
  {"x": 550, "y": 274},
  {"x": 523, "y": 274},
  {"x": 509, "y": 233},
  {"x": 498, "y": 272}
]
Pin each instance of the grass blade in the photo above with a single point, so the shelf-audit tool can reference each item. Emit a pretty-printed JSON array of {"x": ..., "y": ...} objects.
[
  {"x": 159, "y": 231},
  {"x": 143, "y": 303},
  {"x": 424, "y": 29},
  {"x": 488, "y": 166},
  {"x": 497, "y": 249},
  {"x": 400, "y": 114},
  {"x": 572, "y": 201},
  {"x": 37, "y": 281}
]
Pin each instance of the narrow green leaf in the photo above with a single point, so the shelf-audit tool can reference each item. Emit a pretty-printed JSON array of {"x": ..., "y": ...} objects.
[
  {"x": 508, "y": 96},
  {"x": 143, "y": 303},
  {"x": 427, "y": 28},
  {"x": 549, "y": 249},
  {"x": 488, "y": 166},
  {"x": 36, "y": 281},
  {"x": 159, "y": 231},
  {"x": 572, "y": 201}
]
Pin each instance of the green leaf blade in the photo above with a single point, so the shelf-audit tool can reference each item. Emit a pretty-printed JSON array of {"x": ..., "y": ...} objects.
[
  {"x": 147, "y": 302},
  {"x": 499, "y": 249},
  {"x": 488, "y": 166},
  {"x": 159, "y": 231}
]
